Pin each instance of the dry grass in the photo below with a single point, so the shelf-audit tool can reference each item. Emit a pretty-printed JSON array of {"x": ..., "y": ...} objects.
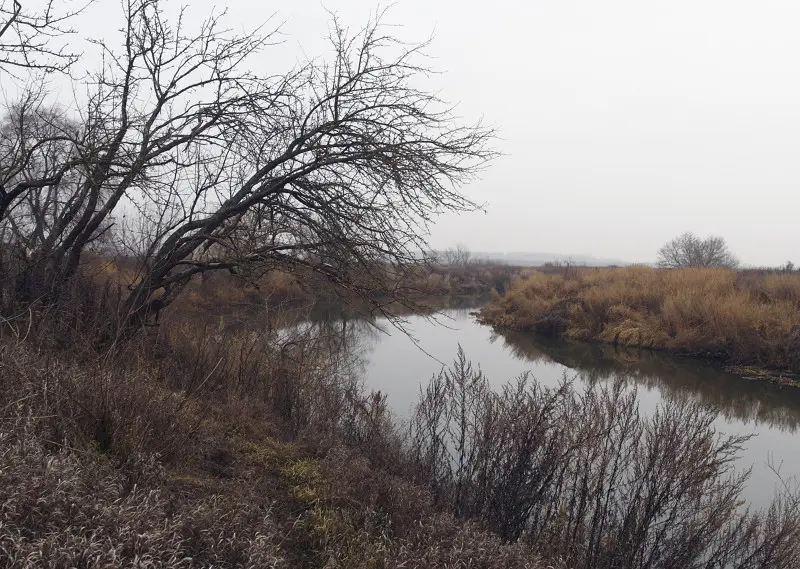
[
  {"x": 67, "y": 509},
  {"x": 742, "y": 318},
  {"x": 361, "y": 517},
  {"x": 213, "y": 447},
  {"x": 119, "y": 409},
  {"x": 89, "y": 455},
  {"x": 218, "y": 442},
  {"x": 221, "y": 293}
]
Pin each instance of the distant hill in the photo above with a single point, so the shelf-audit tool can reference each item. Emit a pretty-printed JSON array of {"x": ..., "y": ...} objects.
[{"x": 536, "y": 259}]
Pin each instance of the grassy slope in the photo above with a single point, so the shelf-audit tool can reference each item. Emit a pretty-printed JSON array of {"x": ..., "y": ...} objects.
[
  {"x": 741, "y": 318},
  {"x": 105, "y": 462}
]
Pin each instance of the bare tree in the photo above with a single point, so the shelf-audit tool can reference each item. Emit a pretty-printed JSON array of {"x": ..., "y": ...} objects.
[
  {"x": 690, "y": 251},
  {"x": 34, "y": 39},
  {"x": 334, "y": 166},
  {"x": 457, "y": 256}
]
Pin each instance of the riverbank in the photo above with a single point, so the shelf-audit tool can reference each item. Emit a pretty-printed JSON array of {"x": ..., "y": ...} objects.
[
  {"x": 732, "y": 317},
  {"x": 194, "y": 447},
  {"x": 260, "y": 446}
]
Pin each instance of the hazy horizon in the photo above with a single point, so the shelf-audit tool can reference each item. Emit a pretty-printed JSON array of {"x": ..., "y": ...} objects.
[{"x": 622, "y": 124}]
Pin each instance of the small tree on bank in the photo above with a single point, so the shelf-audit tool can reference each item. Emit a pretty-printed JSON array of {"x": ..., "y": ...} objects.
[{"x": 690, "y": 251}]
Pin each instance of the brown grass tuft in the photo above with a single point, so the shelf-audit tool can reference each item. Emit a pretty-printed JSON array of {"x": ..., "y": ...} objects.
[{"x": 67, "y": 509}]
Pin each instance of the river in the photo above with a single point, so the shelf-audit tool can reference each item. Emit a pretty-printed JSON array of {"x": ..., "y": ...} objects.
[{"x": 398, "y": 363}]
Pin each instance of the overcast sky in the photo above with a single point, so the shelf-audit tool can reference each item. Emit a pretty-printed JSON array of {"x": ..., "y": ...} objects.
[{"x": 622, "y": 123}]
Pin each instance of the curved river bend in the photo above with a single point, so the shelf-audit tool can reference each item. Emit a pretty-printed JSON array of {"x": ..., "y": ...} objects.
[{"x": 398, "y": 365}]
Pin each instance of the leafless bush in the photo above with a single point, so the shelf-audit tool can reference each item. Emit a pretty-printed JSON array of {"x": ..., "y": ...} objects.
[{"x": 585, "y": 477}]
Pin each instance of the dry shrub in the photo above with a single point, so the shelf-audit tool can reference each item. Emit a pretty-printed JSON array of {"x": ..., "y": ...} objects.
[
  {"x": 436, "y": 283},
  {"x": 485, "y": 480},
  {"x": 586, "y": 478},
  {"x": 81, "y": 469},
  {"x": 74, "y": 510},
  {"x": 745, "y": 319},
  {"x": 308, "y": 376},
  {"x": 362, "y": 517},
  {"x": 477, "y": 278},
  {"x": 79, "y": 316},
  {"x": 120, "y": 409},
  {"x": 222, "y": 293}
]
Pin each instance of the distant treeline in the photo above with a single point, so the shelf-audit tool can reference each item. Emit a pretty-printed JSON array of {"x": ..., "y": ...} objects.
[{"x": 222, "y": 292}]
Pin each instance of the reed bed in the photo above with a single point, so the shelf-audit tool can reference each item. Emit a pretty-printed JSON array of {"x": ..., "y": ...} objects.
[{"x": 741, "y": 318}]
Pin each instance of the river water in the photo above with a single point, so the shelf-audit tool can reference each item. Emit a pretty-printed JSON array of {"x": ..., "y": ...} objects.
[{"x": 398, "y": 365}]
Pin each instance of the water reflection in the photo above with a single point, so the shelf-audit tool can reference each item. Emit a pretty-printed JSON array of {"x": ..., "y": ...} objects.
[
  {"x": 735, "y": 398},
  {"x": 398, "y": 367},
  {"x": 397, "y": 360}
]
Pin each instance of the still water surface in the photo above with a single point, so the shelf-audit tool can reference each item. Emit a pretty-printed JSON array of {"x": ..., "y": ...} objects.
[{"x": 398, "y": 366}]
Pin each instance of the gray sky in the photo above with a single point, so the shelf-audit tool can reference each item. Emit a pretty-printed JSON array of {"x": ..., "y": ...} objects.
[{"x": 623, "y": 123}]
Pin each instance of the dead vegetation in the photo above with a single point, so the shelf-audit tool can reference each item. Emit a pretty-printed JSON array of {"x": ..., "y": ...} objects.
[
  {"x": 136, "y": 436},
  {"x": 586, "y": 478},
  {"x": 207, "y": 445},
  {"x": 70, "y": 508},
  {"x": 251, "y": 446},
  {"x": 739, "y": 317}
]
